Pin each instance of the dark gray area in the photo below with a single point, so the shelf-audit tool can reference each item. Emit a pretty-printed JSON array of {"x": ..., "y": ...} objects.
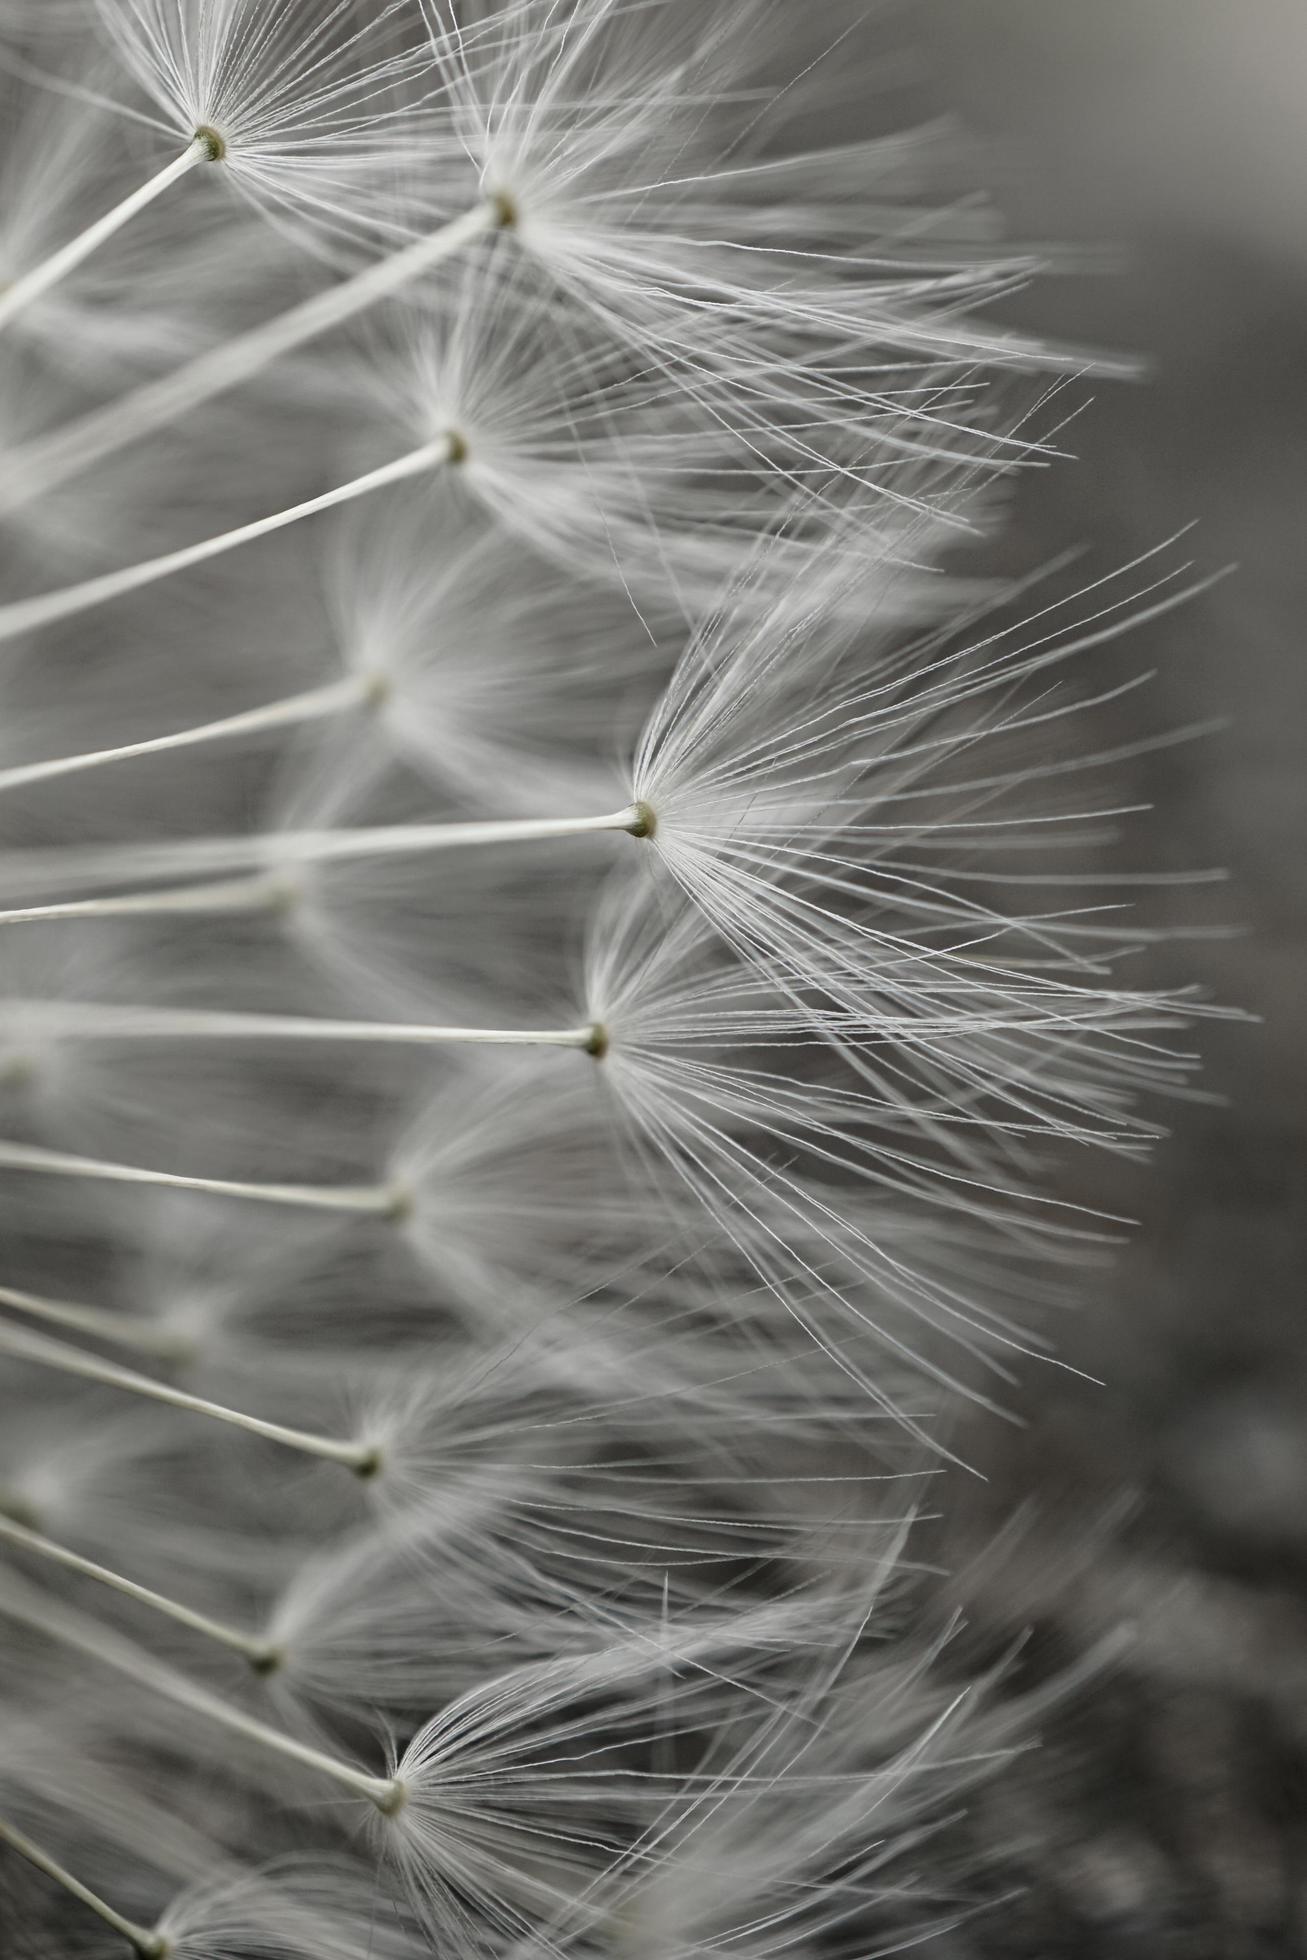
[{"x": 1166, "y": 1811}]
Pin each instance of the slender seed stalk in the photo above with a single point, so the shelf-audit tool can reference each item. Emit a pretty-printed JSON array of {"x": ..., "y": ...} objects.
[
  {"x": 54, "y": 1621},
  {"x": 259, "y": 1653},
  {"x": 78, "y": 1020},
  {"x": 72, "y": 450},
  {"x": 362, "y": 1458},
  {"x": 133, "y": 1331},
  {"x": 372, "y": 1200},
  {"x": 241, "y": 895},
  {"x": 200, "y": 856},
  {"x": 27, "y": 615},
  {"x": 150, "y": 1946},
  {"x": 316, "y": 705},
  {"x": 32, "y": 285}
]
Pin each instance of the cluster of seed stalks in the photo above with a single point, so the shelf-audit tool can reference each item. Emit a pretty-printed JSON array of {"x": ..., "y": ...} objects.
[{"x": 539, "y": 980}]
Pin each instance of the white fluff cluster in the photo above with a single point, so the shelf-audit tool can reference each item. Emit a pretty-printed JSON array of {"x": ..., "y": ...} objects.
[{"x": 536, "y": 990}]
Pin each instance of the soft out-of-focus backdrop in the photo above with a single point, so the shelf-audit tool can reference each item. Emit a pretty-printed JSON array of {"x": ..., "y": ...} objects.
[{"x": 1166, "y": 1812}]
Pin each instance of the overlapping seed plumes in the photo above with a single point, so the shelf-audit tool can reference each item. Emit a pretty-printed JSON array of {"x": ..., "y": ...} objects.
[{"x": 534, "y": 1004}]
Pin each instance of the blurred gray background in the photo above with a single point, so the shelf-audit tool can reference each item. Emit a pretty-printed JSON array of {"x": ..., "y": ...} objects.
[{"x": 1166, "y": 1813}]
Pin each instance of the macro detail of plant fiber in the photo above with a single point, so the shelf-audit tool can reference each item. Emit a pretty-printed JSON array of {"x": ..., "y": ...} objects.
[{"x": 560, "y": 991}]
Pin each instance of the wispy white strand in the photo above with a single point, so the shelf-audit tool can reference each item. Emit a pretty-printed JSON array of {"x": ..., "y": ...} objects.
[
  {"x": 149, "y": 1946},
  {"x": 361, "y": 1458},
  {"x": 368, "y": 1201},
  {"x": 134, "y": 1331},
  {"x": 51, "y": 460},
  {"x": 80, "y": 1020},
  {"x": 285, "y": 850},
  {"x": 49, "y": 1618},
  {"x": 316, "y": 704},
  {"x": 28, "y": 615},
  {"x": 37, "y": 1545},
  {"x": 235, "y": 897}
]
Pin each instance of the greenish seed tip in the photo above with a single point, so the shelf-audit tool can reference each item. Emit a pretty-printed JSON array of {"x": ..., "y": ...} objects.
[
  {"x": 394, "y": 1800},
  {"x": 215, "y": 143},
  {"x": 19, "y": 1510},
  {"x": 400, "y": 1207},
  {"x": 182, "y": 1350},
  {"x": 368, "y": 1466},
  {"x": 284, "y": 893},
  {"x": 270, "y": 1660},
  {"x": 645, "y": 821},
  {"x": 458, "y": 446},
  {"x": 506, "y": 212},
  {"x": 599, "y": 1043}
]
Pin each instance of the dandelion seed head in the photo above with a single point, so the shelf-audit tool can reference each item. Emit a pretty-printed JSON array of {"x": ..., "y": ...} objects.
[{"x": 534, "y": 1009}]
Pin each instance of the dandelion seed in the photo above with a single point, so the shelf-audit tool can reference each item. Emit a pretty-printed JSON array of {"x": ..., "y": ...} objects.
[
  {"x": 143, "y": 1942},
  {"x": 26, "y": 1606},
  {"x": 23, "y": 292},
  {"x": 19, "y": 1538},
  {"x": 302, "y": 103}
]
